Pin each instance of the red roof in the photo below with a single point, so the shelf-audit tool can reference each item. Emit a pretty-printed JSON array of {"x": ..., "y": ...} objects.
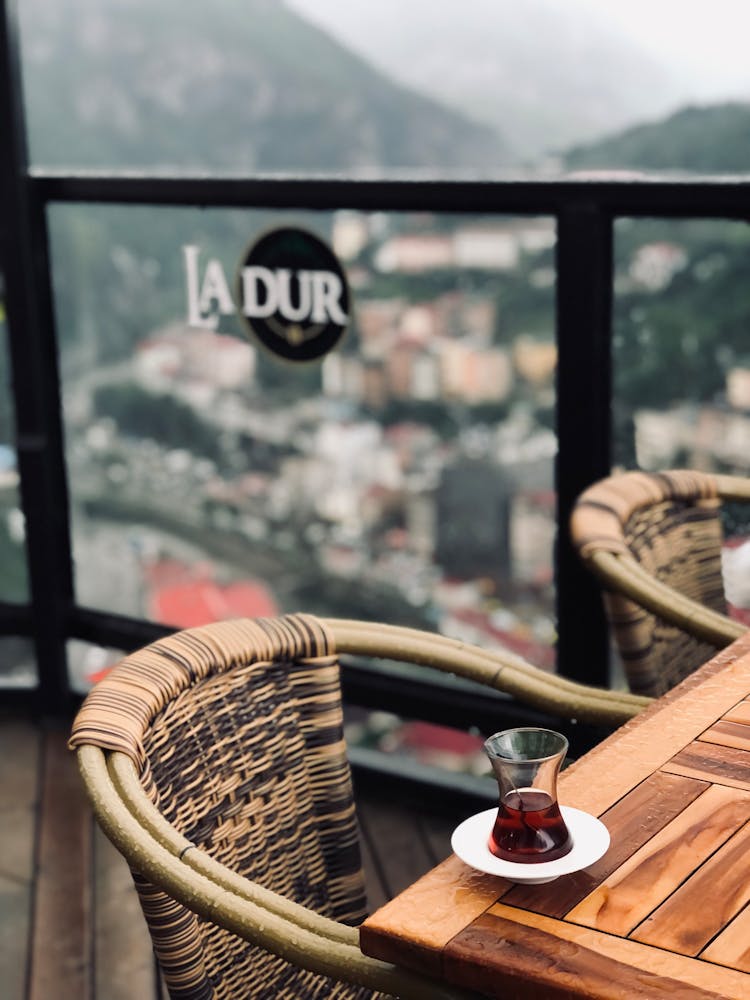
[
  {"x": 537, "y": 653},
  {"x": 199, "y": 602},
  {"x": 184, "y": 596},
  {"x": 428, "y": 736},
  {"x": 739, "y": 614}
]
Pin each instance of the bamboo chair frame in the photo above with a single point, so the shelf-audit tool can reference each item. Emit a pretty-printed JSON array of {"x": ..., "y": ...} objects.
[
  {"x": 112, "y": 772},
  {"x": 603, "y": 532}
]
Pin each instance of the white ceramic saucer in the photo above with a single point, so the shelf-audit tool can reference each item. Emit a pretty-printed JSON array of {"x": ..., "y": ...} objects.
[{"x": 590, "y": 842}]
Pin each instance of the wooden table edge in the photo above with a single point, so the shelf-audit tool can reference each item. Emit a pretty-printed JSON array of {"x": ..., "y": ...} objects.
[{"x": 386, "y": 933}]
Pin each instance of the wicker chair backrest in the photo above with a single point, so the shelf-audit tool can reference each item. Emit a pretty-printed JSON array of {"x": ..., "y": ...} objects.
[
  {"x": 237, "y": 731},
  {"x": 670, "y": 524}
]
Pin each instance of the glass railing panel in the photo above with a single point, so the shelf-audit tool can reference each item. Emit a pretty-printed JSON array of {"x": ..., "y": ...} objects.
[
  {"x": 682, "y": 362},
  {"x": 361, "y": 90},
  {"x": 14, "y": 577},
  {"x": 17, "y": 662},
  {"x": 358, "y": 89},
  {"x": 681, "y": 358},
  {"x": 88, "y": 663},
  {"x": 407, "y": 476},
  {"x": 243, "y": 89}
]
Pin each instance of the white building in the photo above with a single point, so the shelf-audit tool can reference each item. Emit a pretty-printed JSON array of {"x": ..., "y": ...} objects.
[{"x": 180, "y": 354}]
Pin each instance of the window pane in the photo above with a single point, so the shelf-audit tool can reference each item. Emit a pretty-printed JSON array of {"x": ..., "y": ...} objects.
[
  {"x": 320, "y": 85},
  {"x": 230, "y": 87},
  {"x": 681, "y": 355},
  {"x": 408, "y": 477},
  {"x": 17, "y": 663},
  {"x": 88, "y": 663},
  {"x": 13, "y": 579},
  {"x": 682, "y": 362}
]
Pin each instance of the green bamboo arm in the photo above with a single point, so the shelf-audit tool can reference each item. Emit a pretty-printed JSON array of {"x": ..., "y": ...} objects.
[
  {"x": 238, "y": 913},
  {"x": 501, "y": 671},
  {"x": 626, "y": 576}
]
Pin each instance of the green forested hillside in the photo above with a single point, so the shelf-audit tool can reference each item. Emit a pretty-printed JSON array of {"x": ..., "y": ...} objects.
[
  {"x": 678, "y": 342},
  {"x": 233, "y": 85},
  {"x": 245, "y": 86},
  {"x": 711, "y": 139}
]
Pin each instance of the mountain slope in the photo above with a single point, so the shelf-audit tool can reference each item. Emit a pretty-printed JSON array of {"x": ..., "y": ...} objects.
[
  {"x": 714, "y": 139},
  {"x": 545, "y": 73},
  {"x": 236, "y": 85}
]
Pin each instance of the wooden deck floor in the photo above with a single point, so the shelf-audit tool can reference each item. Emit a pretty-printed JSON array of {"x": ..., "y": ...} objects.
[{"x": 70, "y": 923}]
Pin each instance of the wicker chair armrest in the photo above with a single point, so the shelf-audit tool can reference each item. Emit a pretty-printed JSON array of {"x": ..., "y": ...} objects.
[
  {"x": 336, "y": 956},
  {"x": 627, "y": 576},
  {"x": 733, "y": 488},
  {"x": 503, "y": 671}
]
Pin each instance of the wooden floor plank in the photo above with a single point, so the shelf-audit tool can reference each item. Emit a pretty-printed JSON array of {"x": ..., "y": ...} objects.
[
  {"x": 436, "y": 832},
  {"x": 62, "y": 945},
  {"x": 393, "y": 836},
  {"x": 123, "y": 959},
  {"x": 377, "y": 891},
  {"x": 88, "y": 939},
  {"x": 399, "y": 845},
  {"x": 19, "y": 790}
]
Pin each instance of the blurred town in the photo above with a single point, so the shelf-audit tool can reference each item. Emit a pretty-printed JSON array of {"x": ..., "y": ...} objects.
[
  {"x": 407, "y": 478},
  {"x": 379, "y": 491}
]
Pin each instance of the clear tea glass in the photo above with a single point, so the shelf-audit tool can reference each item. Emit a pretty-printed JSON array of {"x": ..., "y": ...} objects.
[{"x": 529, "y": 826}]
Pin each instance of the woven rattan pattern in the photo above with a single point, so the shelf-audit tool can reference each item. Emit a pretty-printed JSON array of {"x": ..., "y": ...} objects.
[
  {"x": 240, "y": 746},
  {"x": 670, "y": 523}
]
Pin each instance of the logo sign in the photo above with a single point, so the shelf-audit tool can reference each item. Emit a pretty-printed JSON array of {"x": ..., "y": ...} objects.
[{"x": 293, "y": 295}]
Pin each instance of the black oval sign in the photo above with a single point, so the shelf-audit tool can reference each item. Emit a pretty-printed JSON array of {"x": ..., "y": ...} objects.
[{"x": 293, "y": 295}]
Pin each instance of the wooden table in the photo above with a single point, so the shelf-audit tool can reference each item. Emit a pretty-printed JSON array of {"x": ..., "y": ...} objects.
[{"x": 664, "y": 914}]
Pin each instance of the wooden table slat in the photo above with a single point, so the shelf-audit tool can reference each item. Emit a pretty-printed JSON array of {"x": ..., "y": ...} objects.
[
  {"x": 452, "y": 894},
  {"x": 711, "y": 762},
  {"x": 732, "y": 946},
  {"x": 631, "y": 822},
  {"x": 655, "y": 871},
  {"x": 645, "y": 744},
  {"x": 728, "y": 734},
  {"x": 665, "y": 913},
  {"x": 740, "y": 713},
  {"x": 705, "y": 904},
  {"x": 540, "y": 957}
]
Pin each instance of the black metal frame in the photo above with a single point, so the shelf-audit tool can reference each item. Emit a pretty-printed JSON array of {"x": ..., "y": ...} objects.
[{"x": 585, "y": 211}]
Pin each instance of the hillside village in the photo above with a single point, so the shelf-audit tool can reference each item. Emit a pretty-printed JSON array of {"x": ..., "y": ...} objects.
[{"x": 419, "y": 472}]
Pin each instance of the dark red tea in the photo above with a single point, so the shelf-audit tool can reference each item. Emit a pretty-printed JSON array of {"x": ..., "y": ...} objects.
[{"x": 529, "y": 827}]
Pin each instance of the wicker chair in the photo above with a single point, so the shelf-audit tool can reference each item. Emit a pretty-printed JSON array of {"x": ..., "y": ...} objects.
[
  {"x": 654, "y": 541},
  {"x": 214, "y": 760}
]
